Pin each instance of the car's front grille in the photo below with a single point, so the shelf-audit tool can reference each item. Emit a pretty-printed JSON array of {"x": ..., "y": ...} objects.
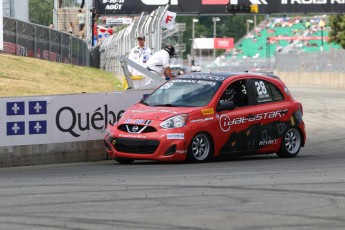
[
  {"x": 139, "y": 146},
  {"x": 129, "y": 128}
]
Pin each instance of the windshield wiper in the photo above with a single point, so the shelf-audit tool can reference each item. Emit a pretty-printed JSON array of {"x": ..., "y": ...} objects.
[{"x": 167, "y": 105}]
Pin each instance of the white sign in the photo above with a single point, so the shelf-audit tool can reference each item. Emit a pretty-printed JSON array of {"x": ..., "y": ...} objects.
[
  {"x": 119, "y": 21},
  {"x": 64, "y": 118},
  {"x": 168, "y": 21},
  {"x": 1, "y": 26}
]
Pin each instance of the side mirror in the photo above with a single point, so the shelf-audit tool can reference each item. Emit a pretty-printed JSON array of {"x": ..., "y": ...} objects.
[{"x": 225, "y": 105}]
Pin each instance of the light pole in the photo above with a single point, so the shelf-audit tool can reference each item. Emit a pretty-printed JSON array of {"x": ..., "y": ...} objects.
[
  {"x": 322, "y": 24},
  {"x": 249, "y": 21},
  {"x": 215, "y": 20},
  {"x": 193, "y": 36}
]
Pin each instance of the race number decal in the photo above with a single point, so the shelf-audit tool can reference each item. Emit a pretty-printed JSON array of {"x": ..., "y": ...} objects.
[{"x": 261, "y": 88}]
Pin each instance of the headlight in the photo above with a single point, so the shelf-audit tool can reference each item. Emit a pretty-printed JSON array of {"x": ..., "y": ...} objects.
[{"x": 175, "y": 122}]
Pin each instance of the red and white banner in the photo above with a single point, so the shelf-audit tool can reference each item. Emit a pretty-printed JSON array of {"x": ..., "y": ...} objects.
[
  {"x": 169, "y": 20},
  {"x": 224, "y": 43},
  {"x": 214, "y": 43}
]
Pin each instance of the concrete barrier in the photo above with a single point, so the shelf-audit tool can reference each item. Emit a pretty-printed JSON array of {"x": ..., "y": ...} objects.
[{"x": 306, "y": 79}]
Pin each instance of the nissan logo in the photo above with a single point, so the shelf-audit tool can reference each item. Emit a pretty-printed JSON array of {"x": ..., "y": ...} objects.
[{"x": 135, "y": 128}]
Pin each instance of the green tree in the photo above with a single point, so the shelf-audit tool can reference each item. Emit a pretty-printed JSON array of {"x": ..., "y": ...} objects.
[
  {"x": 337, "y": 33},
  {"x": 41, "y": 11}
]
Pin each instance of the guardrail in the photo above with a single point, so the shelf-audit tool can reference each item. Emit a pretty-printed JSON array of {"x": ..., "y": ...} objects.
[{"x": 31, "y": 40}]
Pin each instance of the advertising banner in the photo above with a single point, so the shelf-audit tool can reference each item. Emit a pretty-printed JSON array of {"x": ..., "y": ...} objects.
[
  {"x": 63, "y": 118},
  {"x": 136, "y": 7},
  {"x": 224, "y": 43}
]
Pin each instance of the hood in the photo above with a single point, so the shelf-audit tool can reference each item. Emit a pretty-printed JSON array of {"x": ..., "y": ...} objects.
[{"x": 140, "y": 111}]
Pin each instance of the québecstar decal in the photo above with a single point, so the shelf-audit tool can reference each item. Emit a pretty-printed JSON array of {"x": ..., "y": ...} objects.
[
  {"x": 195, "y": 81},
  {"x": 175, "y": 136},
  {"x": 225, "y": 122}
]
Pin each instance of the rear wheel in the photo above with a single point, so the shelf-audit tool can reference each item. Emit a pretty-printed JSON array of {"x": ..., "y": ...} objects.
[
  {"x": 291, "y": 143},
  {"x": 124, "y": 160},
  {"x": 200, "y": 148}
]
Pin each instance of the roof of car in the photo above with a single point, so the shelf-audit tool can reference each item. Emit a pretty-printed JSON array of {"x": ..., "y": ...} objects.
[{"x": 221, "y": 76}]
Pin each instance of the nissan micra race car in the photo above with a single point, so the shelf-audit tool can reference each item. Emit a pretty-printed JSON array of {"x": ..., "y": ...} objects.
[{"x": 201, "y": 116}]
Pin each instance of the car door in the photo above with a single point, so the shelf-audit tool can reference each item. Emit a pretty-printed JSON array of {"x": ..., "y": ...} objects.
[
  {"x": 269, "y": 109},
  {"x": 237, "y": 134}
]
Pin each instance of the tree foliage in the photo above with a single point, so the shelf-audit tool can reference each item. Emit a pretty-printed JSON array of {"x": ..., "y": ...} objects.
[
  {"x": 41, "y": 11},
  {"x": 337, "y": 33}
]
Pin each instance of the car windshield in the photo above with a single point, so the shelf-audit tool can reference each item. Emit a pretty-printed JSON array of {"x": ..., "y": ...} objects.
[{"x": 183, "y": 93}]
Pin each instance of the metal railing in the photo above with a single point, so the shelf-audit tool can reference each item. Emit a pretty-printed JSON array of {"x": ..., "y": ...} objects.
[{"x": 31, "y": 40}]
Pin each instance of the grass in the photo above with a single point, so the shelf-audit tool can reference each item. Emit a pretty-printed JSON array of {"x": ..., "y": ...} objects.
[{"x": 22, "y": 76}]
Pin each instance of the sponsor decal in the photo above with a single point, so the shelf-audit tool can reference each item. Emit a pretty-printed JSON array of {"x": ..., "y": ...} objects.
[
  {"x": 181, "y": 151},
  {"x": 258, "y": 2},
  {"x": 132, "y": 136},
  {"x": 225, "y": 122},
  {"x": 204, "y": 77},
  {"x": 286, "y": 90},
  {"x": 159, "y": 2},
  {"x": 209, "y": 111},
  {"x": 70, "y": 121},
  {"x": 175, "y": 136},
  {"x": 152, "y": 110},
  {"x": 195, "y": 81},
  {"x": 202, "y": 120},
  {"x": 138, "y": 121},
  {"x": 268, "y": 142}
]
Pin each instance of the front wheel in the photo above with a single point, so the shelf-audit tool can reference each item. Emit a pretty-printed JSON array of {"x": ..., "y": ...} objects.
[
  {"x": 291, "y": 143},
  {"x": 125, "y": 161},
  {"x": 200, "y": 148}
]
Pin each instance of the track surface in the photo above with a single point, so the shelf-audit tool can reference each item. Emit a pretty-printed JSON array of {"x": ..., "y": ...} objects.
[{"x": 265, "y": 192}]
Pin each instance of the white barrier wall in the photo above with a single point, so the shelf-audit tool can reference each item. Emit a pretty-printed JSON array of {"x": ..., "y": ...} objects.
[{"x": 63, "y": 118}]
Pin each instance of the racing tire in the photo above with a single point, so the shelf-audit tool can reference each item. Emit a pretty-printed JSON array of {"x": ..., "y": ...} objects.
[
  {"x": 200, "y": 148},
  {"x": 125, "y": 161},
  {"x": 291, "y": 143}
]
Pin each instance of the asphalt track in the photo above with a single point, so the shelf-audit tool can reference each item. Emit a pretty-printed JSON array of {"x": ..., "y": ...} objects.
[{"x": 262, "y": 192}]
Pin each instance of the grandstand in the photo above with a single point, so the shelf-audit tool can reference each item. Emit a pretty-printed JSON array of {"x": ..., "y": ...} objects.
[{"x": 284, "y": 35}]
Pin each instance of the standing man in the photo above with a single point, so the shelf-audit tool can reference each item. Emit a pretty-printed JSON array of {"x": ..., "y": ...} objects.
[
  {"x": 81, "y": 23},
  {"x": 159, "y": 63},
  {"x": 140, "y": 54}
]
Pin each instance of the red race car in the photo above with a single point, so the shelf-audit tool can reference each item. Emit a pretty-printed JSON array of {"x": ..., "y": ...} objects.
[{"x": 201, "y": 116}]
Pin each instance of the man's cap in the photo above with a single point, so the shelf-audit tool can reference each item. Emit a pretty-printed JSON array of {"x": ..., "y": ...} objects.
[{"x": 141, "y": 36}]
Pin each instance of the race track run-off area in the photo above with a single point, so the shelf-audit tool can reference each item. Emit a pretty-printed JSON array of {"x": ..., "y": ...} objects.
[{"x": 260, "y": 192}]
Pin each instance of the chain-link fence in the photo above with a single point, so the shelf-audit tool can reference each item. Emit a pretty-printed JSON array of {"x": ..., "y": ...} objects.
[
  {"x": 332, "y": 61},
  {"x": 122, "y": 42},
  {"x": 30, "y": 40}
]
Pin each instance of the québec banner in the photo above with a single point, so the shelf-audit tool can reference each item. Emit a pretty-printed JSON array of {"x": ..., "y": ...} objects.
[
  {"x": 136, "y": 7},
  {"x": 63, "y": 118}
]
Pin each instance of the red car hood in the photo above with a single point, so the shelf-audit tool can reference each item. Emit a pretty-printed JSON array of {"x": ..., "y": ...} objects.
[{"x": 140, "y": 111}]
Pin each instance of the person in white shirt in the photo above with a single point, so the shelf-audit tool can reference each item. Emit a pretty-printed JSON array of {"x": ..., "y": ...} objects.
[
  {"x": 159, "y": 62},
  {"x": 81, "y": 23},
  {"x": 139, "y": 54}
]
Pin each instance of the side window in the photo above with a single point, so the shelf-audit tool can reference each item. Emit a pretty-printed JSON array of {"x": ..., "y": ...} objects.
[
  {"x": 236, "y": 92},
  {"x": 276, "y": 93},
  {"x": 266, "y": 92}
]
